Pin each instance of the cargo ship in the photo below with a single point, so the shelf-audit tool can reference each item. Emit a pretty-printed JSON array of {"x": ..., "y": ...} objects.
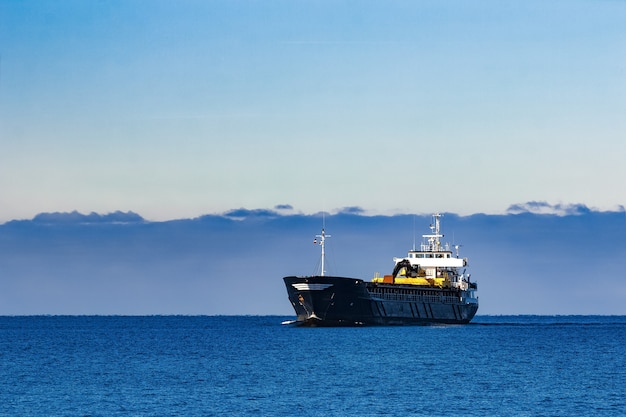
[{"x": 428, "y": 286}]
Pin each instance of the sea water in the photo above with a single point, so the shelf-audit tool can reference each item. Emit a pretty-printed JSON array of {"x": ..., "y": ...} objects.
[{"x": 213, "y": 366}]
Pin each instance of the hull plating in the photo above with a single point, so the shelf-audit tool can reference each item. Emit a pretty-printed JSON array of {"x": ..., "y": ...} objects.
[{"x": 340, "y": 301}]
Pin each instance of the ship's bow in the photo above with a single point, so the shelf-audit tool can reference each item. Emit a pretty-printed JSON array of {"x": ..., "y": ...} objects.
[{"x": 328, "y": 301}]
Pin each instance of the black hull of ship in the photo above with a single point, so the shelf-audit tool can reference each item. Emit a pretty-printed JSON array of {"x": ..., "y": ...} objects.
[{"x": 340, "y": 301}]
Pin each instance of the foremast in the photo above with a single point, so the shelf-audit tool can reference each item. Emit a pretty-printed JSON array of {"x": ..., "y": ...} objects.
[{"x": 322, "y": 243}]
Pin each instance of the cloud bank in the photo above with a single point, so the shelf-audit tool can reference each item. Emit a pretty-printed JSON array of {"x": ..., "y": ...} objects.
[
  {"x": 537, "y": 259},
  {"x": 542, "y": 207},
  {"x": 77, "y": 218}
]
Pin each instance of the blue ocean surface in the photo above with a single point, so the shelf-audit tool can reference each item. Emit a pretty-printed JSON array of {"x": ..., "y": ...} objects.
[{"x": 248, "y": 365}]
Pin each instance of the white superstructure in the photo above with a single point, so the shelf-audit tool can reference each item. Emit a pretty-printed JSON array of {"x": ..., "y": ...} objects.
[{"x": 434, "y": 262}]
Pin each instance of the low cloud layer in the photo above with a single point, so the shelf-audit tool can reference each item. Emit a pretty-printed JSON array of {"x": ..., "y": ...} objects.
[
  {"x": 529, "y": 261},
  {"x": 542, "y": 207},
  {"x": 77, "y": 218}
]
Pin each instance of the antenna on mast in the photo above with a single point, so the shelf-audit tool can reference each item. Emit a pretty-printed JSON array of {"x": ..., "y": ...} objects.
[
  {"x": 434, "y": 244},
  {"x": 414, "y": 232}
]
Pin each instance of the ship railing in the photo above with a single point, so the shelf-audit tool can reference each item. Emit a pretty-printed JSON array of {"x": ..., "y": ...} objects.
[{"x": 419, "y": 298}]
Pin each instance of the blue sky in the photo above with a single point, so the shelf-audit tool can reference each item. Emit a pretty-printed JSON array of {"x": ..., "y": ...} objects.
[{"x": 176, "y": 109}]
